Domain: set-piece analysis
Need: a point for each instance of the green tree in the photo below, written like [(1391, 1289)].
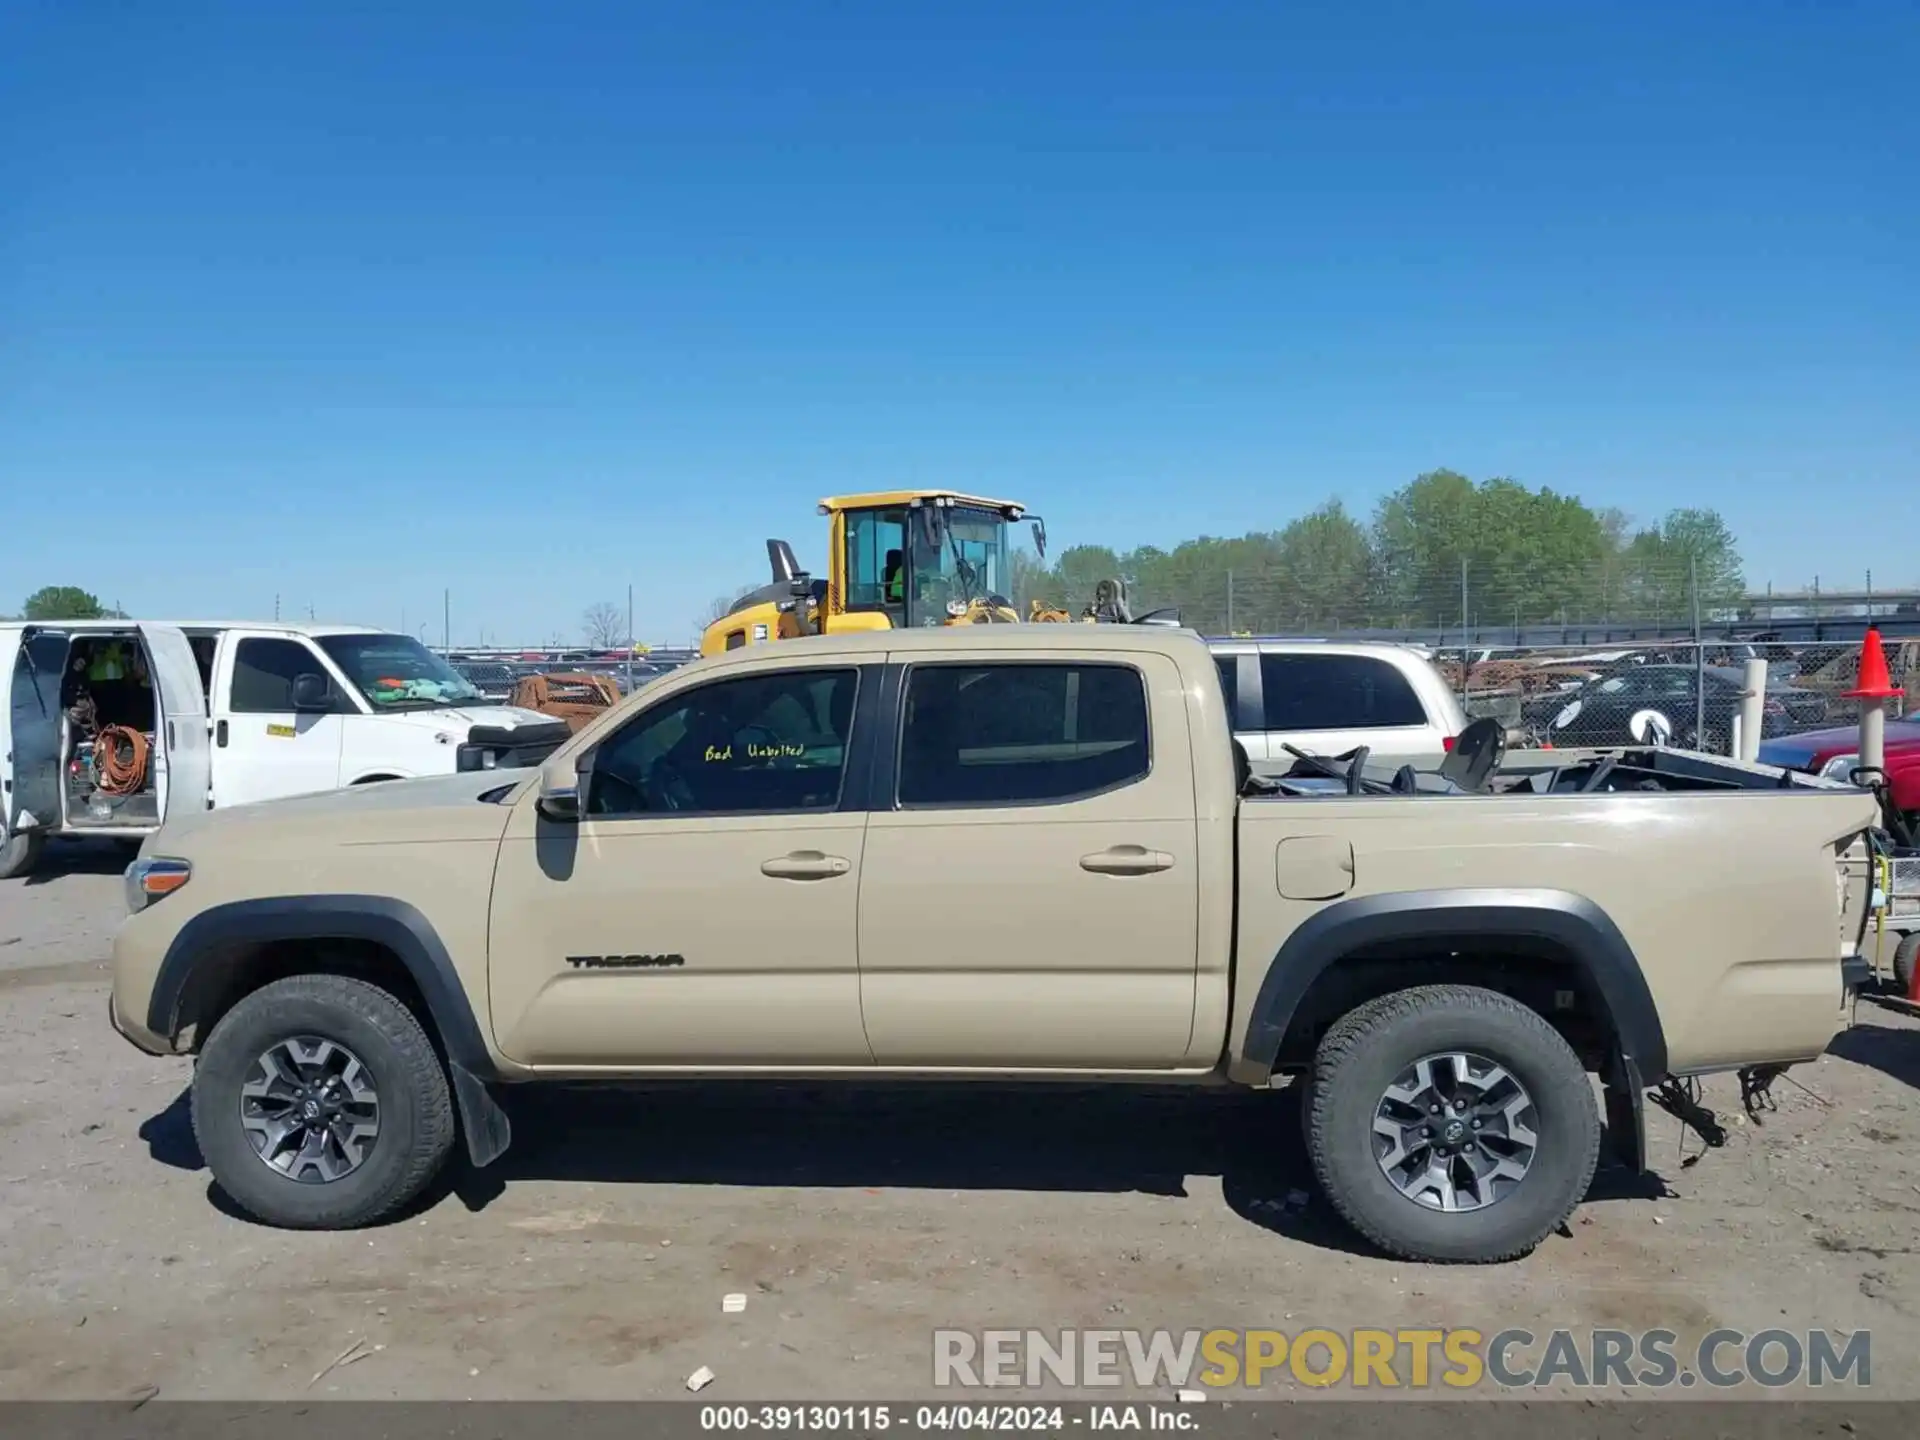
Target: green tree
[(1030, 579), (1079, 569), (62, 602), (1528, 555), (1523, 554), (1421, 533), (1661, 565), (1325, 564)]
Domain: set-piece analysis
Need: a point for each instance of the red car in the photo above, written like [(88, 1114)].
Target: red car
[(1836, 752)]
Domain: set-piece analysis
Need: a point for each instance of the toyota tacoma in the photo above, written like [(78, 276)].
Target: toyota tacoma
[(1004, 853)]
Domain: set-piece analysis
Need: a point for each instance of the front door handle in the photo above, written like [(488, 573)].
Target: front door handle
[(806, 865), (1126, 860)]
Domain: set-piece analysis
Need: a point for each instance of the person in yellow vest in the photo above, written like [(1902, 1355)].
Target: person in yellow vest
[(109, 663)]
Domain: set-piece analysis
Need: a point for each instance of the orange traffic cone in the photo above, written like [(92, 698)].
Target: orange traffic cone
[(1876, 680)]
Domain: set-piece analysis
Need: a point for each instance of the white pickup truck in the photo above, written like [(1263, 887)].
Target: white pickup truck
[(111, 726)]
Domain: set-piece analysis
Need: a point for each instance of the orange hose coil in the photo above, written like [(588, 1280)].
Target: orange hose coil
[(120, 760)]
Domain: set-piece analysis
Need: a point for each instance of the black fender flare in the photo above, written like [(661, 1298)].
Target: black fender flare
[(1572, 923), (392, 924)]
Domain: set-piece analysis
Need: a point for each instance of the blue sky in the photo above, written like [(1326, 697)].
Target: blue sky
[(349, 303)]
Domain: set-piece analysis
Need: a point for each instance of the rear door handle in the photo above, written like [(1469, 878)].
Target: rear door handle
[(806, 865), (1126, 860), (220, 734)]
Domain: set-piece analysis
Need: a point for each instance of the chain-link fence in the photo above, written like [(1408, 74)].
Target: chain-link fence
[(1638, 646), (1675, 693), (1507, 601)]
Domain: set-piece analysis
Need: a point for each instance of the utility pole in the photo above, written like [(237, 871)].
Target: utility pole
[(1699, 660), (446, 619), (1465, 634), (629, 638), (1230, 627)]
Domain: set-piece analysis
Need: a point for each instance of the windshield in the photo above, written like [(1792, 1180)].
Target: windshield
[(969, 563), (397, 672)]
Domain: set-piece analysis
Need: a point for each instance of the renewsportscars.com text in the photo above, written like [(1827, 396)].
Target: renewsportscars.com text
[(1413, 1359)]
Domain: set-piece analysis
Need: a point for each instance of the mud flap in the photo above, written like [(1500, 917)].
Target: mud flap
[(487, 1128), (1626, 1114)]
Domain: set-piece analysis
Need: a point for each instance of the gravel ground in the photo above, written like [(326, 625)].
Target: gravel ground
[(592, 1260)]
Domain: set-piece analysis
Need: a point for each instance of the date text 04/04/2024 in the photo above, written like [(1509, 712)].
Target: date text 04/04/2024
[(874, 1419)]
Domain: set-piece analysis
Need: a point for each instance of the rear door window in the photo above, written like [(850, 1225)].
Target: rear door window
[(1020, 734), (1336, 692)]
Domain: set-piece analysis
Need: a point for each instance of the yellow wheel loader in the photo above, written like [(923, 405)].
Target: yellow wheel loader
[(895, 559)]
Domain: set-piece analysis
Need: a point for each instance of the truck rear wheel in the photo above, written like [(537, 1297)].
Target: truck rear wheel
[(320, 1104), (1904, 961), (1451, 1123)]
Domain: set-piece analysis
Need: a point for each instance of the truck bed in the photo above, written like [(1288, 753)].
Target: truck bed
[(1539, 772), (1766, 896)]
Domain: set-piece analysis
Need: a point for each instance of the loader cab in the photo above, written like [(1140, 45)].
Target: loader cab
[(895, 559), (911, 559)]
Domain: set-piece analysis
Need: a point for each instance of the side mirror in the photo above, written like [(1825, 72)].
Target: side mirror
[(563, 789), (312, 694), (1040, 537)]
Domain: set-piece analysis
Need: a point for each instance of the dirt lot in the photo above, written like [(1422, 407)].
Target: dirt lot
[(591, 1262)]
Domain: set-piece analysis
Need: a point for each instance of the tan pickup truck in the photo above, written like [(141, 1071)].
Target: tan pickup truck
[(1000, 853)]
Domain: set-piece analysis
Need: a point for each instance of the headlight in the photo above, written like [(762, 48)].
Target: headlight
[(476, 757), (1840, 767), (149, 880)]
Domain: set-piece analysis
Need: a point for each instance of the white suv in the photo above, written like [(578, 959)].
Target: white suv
[(1327, 698)]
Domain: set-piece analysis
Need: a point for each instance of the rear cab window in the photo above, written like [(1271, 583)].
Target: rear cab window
[(1336, 692), (1018, 733)]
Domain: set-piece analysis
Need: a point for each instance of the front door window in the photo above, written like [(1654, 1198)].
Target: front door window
[(876, 561), (760, 744)]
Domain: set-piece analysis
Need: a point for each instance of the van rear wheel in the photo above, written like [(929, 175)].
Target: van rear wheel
[(19, 853), (1451, 1123)]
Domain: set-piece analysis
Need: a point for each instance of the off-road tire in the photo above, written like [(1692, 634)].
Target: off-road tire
[(417, 1125), (19, 853), (1362, 1054), (1904, 960)]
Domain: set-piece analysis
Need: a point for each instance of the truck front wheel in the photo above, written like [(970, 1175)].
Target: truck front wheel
[(1451, 1123), (319, 1104)]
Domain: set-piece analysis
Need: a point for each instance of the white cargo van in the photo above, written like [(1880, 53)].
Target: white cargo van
[(109, 726)]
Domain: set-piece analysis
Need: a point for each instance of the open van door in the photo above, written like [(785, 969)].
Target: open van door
[(32, 658), (182, 775)]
